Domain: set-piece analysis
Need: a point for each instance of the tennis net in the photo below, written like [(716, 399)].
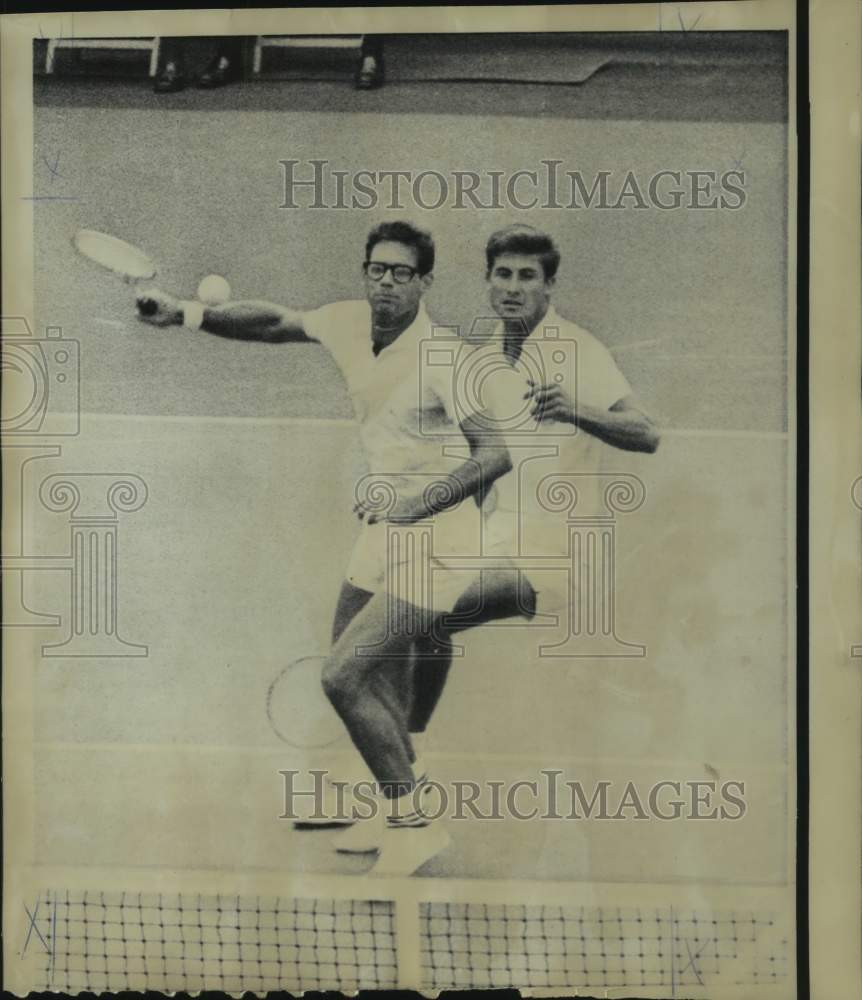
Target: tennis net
[(521, 946), (87, 940), (111, 941)]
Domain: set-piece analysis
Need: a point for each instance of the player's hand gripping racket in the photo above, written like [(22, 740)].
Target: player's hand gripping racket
[(119, 257)]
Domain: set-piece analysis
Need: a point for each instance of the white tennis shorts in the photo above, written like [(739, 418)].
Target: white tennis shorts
[(421, 563), (537, 546)]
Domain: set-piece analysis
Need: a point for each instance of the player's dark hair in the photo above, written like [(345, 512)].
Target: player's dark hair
[(410, 236), (523, 239)]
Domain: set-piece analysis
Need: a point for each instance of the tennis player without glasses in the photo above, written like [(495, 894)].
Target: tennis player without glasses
[(521, 271)]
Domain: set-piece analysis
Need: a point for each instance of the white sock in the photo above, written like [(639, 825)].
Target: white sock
[(410, 813), (420, 772)]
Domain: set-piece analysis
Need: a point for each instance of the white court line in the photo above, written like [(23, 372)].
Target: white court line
[(350, 422), (547, 760), (638, 344), (210, 419), (267, 881), (775, 358), (719, 433)]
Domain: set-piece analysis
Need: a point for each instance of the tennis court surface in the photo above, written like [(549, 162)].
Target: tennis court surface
[(231, 567)]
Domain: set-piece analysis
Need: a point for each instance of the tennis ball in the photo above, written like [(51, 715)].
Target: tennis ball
[(213, 290)]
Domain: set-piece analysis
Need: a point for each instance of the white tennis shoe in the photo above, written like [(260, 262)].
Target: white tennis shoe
[(365, 837), (405, 849)]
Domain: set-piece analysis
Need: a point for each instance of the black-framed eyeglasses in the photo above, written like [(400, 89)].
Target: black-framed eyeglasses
[(401, 273)]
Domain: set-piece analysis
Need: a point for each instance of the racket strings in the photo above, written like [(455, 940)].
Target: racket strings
[(114, 254)]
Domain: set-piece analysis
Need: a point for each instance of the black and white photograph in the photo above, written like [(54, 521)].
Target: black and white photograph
[(400, 460)]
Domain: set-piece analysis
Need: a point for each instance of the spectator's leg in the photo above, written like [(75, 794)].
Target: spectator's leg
[(371, 71), (171, 77), (225, 65)]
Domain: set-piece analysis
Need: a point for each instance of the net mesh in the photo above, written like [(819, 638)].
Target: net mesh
[(502, 946), (113, 941), (102, 941)]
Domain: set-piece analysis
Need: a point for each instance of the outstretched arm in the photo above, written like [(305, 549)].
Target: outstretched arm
[(238, 320)]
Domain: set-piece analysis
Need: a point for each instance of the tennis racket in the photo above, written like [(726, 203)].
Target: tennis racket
[(298, 711), (117, 256)]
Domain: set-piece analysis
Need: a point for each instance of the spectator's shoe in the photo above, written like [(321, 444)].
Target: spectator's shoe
[(170, 80), (220, 71), (370, 74)]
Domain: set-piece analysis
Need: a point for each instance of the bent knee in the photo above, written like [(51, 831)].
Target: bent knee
[(330, 678), (338, 680)]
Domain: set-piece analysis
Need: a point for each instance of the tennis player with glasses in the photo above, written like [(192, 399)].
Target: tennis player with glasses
[(378, 631)]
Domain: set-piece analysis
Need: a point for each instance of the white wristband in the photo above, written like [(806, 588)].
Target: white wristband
[(193, 314)]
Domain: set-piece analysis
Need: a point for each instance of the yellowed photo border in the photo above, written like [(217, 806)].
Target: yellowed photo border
[(835, 360), (835, 437)]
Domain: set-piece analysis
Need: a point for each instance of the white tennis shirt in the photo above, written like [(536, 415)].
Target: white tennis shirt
[(556, 351), (406, 415), (397, 407)]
